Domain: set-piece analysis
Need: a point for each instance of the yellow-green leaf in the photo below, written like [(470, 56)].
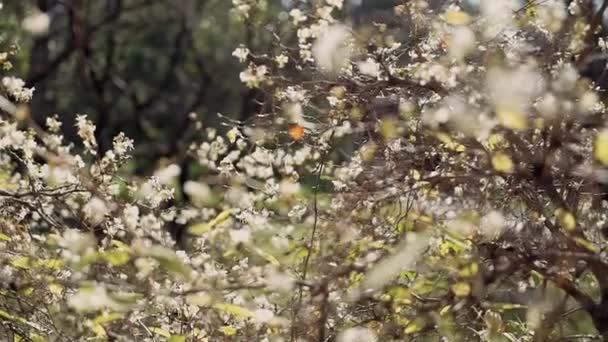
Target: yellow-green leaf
[(502, 163), (98, 329), (415, 326), (161, 332), (512, 119), (566, 219), (228, 330), (202, 228), (117, 258), (449, 143), (119, 245), (177, 338), (268, 257), (8, 316), (461, 289), (389, 128), (590, 246), (470, 270), (601, 147), (496, 141), (168, 260), (457, 18), (22, 262), (235, 310), (4, 237), (108, 317), (51, 264), (56, 289)]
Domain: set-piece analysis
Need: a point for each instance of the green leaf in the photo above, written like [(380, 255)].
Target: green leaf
[(117, 258), (502, 163), (202, 228), (268, 257), (457, 18), (168, 260), (4, 237), (590, 246), (51, 264), (8, 316), (120, 245), (108, 317), (566, 219), (461, 289), (177, 338), (235, 310), (228, 330), (600, 150), (415, 326), (512, 119), (22, 262), (161, 332)]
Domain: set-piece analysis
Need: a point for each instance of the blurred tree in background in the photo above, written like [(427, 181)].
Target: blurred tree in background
[(138, 66)]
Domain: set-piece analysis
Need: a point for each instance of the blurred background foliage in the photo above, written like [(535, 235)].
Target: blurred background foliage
[(142, 66)]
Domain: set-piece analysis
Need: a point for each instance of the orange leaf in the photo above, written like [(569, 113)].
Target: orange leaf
[(296, 132)]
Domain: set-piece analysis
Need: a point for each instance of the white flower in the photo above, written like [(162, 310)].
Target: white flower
[(122, 144), (492, 224), (198, 192), (263, 315), (369, 67), (297, 16), (551, 14), (357, 334), (241, 8), (574, 8), (278, 281), (92, 299), (241, 53), (240, 235), (253, 75), (335, 3), (131, 216), (462, 42), (16, 88), (95, 210), (325, 14), (53, 124), (76, 241), (37, 23), (281, 60), (331, 50), (86, 131), (168, 174)]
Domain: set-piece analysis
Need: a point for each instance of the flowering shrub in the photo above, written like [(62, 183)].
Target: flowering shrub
[(447, 185)]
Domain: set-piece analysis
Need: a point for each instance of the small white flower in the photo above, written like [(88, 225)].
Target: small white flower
[(357, 334), (86, 131), (37, 23), (53, 124), (281, 60), (369, 67), (253, 75), (331, 50), (241, 53), (297, 15), (335, 3), (95, 210), (240, 236), (263, 316)]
